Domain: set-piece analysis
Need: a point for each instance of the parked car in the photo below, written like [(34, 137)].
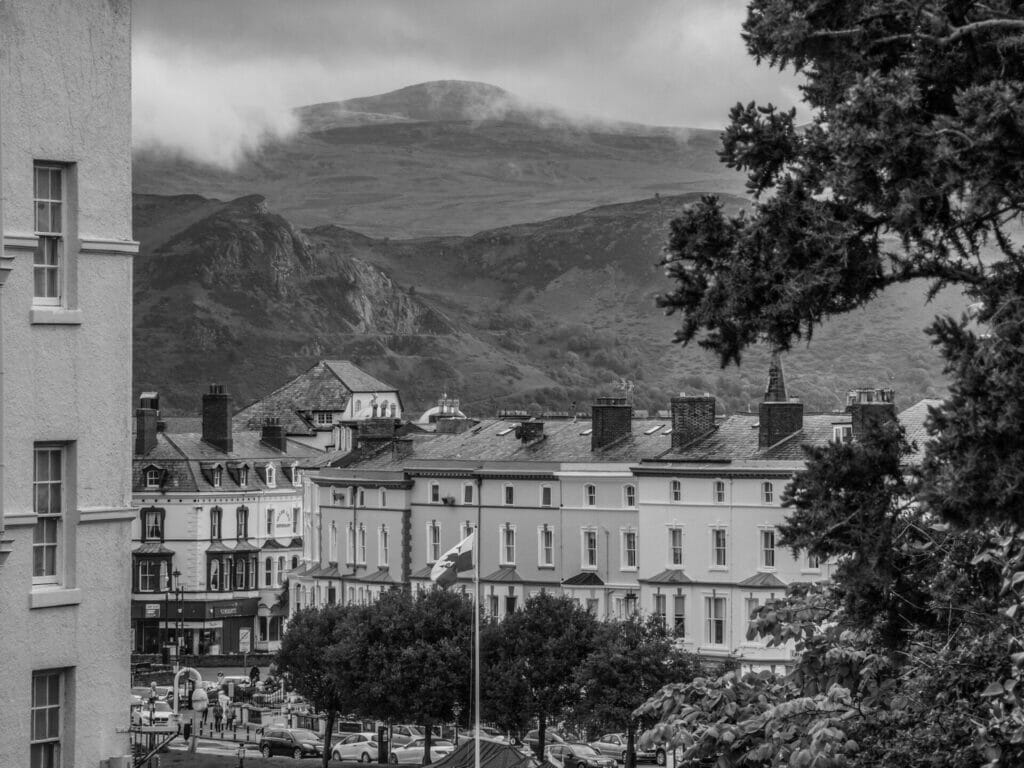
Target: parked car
[(158, 713), (356, 746), (486, 734), (403, 734), (413, 751), (297, 742), (614, 745), (551, 736), (576, 755)]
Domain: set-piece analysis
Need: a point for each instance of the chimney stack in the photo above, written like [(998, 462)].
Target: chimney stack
[(217, 418), (273, 434), (611, 419), (869, 408), (146, 417), (692, 417), (778, 415)]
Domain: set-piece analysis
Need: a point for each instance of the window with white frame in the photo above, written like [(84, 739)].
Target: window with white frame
[(628, 550), (332, 545), (679, 614), (719, 492), (48, 505), (46, 718), (590, 495), (350, 544), (842, 433), (435, 493), (465, 529), (509, 495), (323, 418), (383, 498), (629, 495), (296, 514), (384, 548), (589, 548), (271, 476), (767, 493), (153, 477), (508, 544), (813, 562), (270, 522), (659, 607), (280, 570), (767, 547), (675, 490), (49, 186), (714, 622), (752, 604), (361, 545), (545, 546), (243, 476), (545, 495), (268, 572), (296, 474), (433, 541), (152, 520), (242, 522), (719, 557), (149, 575), (467, 493), (218, 476), (675, 546), (216, 519)]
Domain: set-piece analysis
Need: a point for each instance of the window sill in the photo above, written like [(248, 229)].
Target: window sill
[(629, 569), (55, 316), (721, 568), (544, 567), (42, 597)]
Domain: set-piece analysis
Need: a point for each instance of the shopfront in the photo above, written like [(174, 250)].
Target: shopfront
[(199, 627)]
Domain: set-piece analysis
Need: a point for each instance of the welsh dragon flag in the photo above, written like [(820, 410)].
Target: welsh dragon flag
[(453, 562)]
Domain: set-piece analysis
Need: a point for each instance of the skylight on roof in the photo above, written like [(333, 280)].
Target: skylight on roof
[(652, 430), (586, 431), (668, 429), (505, 431)]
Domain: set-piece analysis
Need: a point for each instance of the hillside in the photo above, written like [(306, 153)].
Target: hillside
[(448, 158), (540, 314)]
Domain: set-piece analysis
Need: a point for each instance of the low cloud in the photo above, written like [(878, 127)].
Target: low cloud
[(212, 111)]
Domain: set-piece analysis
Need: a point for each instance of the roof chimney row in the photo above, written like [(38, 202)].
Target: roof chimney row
[(147, 415), (692, 417), (611, 419)]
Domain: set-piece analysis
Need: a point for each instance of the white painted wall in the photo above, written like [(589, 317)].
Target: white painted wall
[(65, 95)]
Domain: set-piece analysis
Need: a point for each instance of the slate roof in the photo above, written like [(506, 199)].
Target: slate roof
[(669, 576), (326, 572), (152, 548), (584, 579), (183, 457), (504, 574), (565, 441), (913, 419), (327, 386), (763, 579), (380, 576)]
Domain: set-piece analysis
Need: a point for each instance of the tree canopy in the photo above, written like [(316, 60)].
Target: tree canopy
[(910, 167)]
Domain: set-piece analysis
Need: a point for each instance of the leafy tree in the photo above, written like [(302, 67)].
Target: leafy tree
[(416, 649), (631, 661), (911, 167), (531, 659), (306, 645)]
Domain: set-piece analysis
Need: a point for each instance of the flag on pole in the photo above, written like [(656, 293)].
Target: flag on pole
[(453, 562)]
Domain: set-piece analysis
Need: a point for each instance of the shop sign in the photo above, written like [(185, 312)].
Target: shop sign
[(152, 611)]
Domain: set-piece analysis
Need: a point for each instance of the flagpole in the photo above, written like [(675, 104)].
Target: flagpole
[(476, 624)]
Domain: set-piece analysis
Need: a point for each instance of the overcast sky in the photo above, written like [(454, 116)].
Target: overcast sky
[(214, 76)]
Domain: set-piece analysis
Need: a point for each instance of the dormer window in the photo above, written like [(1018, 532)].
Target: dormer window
[(323, 418), (271, 476), (243, 476), (218, 476), (153, 477), (296, 477), (842, 433)]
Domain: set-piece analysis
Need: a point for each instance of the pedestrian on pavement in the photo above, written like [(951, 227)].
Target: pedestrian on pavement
[(231, 717), (218, 716), (186, 731)]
